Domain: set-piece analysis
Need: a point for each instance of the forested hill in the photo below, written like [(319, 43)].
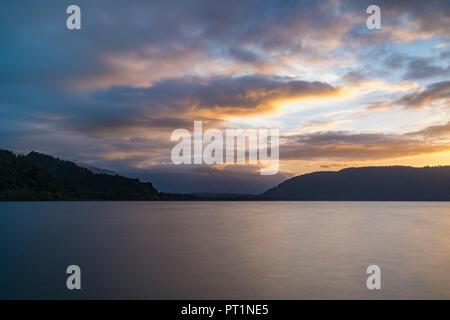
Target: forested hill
[(367, 184), (37, 176)]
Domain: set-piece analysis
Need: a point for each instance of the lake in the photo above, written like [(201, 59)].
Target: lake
[(225, 250)]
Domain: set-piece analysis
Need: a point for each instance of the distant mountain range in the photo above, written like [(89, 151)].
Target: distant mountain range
[(38, 176), (201, 179)]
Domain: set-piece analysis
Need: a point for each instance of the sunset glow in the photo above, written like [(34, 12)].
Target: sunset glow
[(341, 94)]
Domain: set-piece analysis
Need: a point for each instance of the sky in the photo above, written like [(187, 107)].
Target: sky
[(342, 95)]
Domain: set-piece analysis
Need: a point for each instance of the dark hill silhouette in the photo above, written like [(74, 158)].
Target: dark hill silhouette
[(23, 179), (367, 184), (37, 176)]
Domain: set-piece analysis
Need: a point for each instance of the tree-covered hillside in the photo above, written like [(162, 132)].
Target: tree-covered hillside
[(38, 176)]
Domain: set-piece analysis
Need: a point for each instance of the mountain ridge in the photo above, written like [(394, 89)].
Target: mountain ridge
[(37, 176), (391, 183)]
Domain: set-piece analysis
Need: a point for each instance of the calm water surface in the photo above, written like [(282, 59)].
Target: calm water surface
[(225, 250)]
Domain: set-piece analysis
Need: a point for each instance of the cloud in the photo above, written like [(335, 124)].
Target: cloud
[(314, 126), (353, 76), (426, 18), (421, 68), (189, 99), (436, 92), (417, 68), (442, 45), (433, 131), (138, 70), (356, 146), (146, 41), (379, 106), (395, 60), (445, 55), (135, 123)]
